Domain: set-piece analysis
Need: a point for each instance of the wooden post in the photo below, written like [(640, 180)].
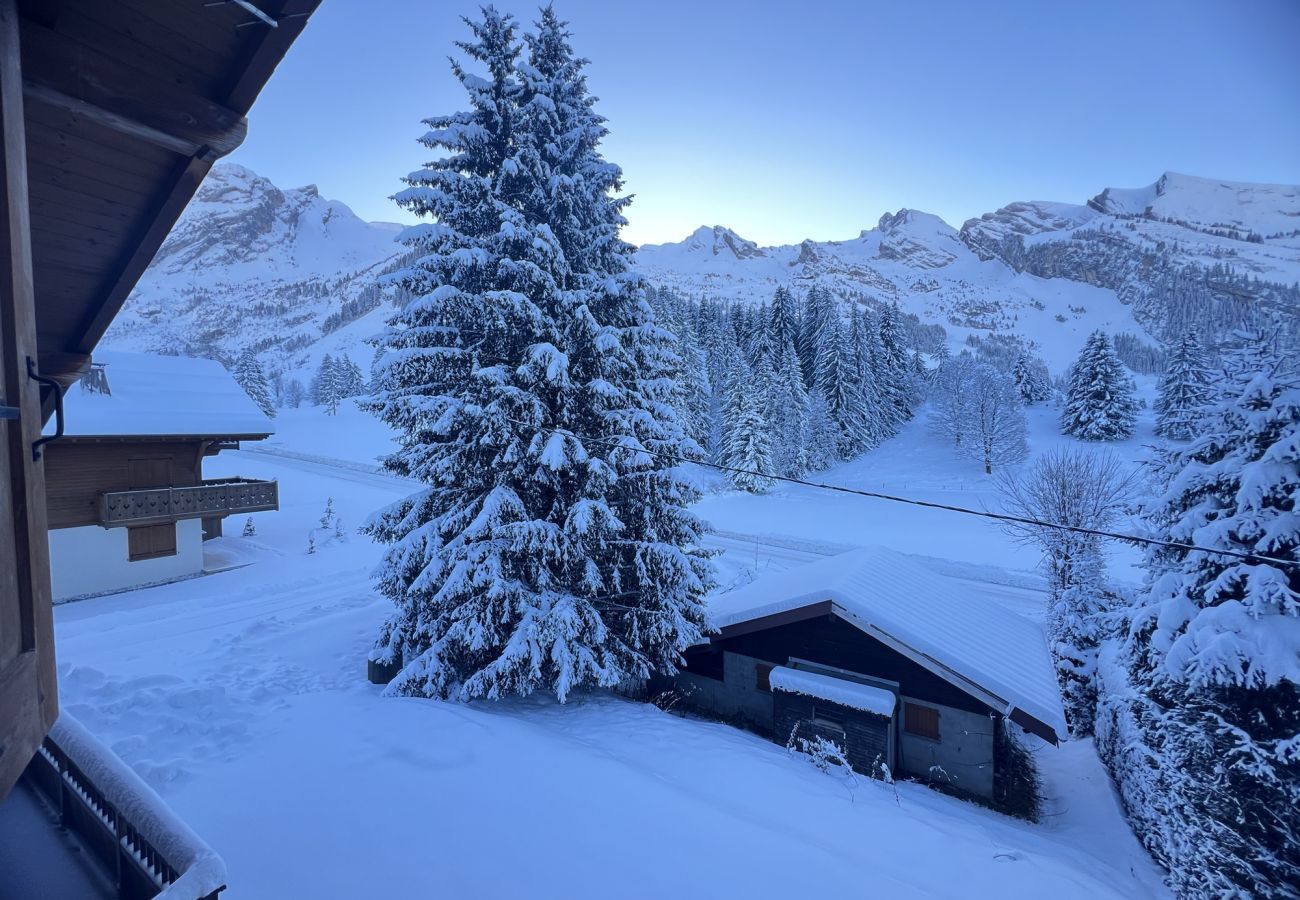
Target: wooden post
[(28, 699)]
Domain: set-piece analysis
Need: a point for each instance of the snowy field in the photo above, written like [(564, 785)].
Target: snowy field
[(241, 697)]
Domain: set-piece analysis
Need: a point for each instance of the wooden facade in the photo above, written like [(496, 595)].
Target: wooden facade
[(111, 114), (77, 472)]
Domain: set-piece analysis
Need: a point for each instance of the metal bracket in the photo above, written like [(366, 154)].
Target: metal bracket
[(8, 412), (58, 408)]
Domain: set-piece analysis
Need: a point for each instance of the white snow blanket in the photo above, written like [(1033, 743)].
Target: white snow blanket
[(162, 395), (835, 690), (938, 618)]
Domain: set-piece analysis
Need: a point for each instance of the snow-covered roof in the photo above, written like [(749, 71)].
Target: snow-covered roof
[(837, 690), (988, 651), (162, 395)]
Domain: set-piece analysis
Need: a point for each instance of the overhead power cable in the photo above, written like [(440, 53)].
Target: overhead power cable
[(1132, 539)]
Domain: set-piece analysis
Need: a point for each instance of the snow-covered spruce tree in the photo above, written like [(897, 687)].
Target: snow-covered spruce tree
[(1200, 719), (993, 420), (788, 405), (747, 445), (784, 319), (893, 372), (249, 374), (326, 385), (1075, 626), (1032, 379), (534, 559), (1099, 402), (1184, 389)]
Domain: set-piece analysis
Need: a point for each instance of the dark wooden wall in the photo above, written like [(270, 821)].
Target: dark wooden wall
[(76, 472), (833, 642)]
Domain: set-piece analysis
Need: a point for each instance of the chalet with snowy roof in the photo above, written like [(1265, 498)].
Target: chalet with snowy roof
[(899, 665), (128, 503)]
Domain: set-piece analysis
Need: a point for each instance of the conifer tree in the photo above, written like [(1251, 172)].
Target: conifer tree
[(748, 446), (1032, 379), (1099, 402), (1200, 726), (1184, 390), (535, 559), (784, 319), (249, 374), (893, 374)]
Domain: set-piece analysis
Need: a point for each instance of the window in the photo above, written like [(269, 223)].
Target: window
[(764, 680), (827, 719), (705, 663), (151, 541), (922, 721)]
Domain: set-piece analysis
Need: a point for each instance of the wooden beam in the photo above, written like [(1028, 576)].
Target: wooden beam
[(176, 193), (28, 695), (68, 75)]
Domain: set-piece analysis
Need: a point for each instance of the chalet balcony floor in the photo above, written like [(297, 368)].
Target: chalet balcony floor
[(41, 861)]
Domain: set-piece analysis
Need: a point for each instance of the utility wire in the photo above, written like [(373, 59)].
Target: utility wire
[(928, 504)]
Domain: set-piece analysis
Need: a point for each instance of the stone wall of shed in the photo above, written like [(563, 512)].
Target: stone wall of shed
[(735, 699), (962, 760)]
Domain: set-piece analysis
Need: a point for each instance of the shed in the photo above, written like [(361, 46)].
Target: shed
[(839, 633)]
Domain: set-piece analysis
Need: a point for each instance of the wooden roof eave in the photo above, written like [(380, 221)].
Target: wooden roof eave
[(65, 74)]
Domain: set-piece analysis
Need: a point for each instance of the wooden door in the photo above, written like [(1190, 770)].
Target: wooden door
[(28, 700), (149, 473)]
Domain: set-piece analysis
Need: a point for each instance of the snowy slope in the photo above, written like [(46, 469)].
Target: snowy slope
[(240, 697)]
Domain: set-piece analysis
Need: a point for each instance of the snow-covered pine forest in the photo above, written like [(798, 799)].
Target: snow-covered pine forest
[(552, 424)]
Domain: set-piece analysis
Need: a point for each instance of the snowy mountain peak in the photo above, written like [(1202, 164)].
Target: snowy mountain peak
[(1208, 204), (918, 239), (718, 240)]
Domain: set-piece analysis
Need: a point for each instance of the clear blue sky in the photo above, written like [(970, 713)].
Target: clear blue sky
[(790, 120)]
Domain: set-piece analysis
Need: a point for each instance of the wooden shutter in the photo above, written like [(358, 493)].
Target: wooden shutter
[(922, 721), (151, 541), (28, 699)]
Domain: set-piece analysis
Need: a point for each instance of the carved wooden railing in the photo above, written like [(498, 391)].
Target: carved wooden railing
[(138, 841), (209, 499)]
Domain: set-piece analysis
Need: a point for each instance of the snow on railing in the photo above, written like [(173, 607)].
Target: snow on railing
[(122, 820)]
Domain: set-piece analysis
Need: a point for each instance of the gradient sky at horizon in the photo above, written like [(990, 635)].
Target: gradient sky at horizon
[(788, 121)]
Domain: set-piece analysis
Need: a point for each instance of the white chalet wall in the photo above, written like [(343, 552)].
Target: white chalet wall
[(93, 560)]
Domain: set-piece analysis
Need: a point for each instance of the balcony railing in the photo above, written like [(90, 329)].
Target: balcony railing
[(209, 499), (134, 838)]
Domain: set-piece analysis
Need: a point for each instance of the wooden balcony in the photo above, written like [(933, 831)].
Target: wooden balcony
[(207, 500)]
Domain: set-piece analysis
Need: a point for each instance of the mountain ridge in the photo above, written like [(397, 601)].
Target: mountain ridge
[(293, 275)]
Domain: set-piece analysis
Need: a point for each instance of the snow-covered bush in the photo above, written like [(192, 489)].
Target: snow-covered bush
[(250, 530)]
